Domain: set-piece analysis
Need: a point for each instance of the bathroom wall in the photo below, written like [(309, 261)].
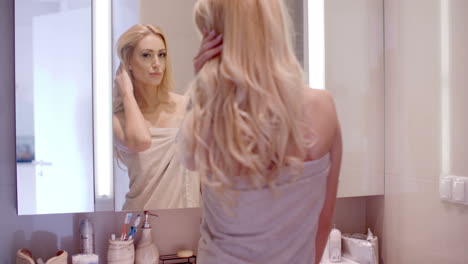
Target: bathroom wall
[(46, 234), (354, 74), (426, 59)]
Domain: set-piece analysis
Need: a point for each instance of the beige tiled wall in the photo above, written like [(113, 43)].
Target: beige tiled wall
[(414, 225)]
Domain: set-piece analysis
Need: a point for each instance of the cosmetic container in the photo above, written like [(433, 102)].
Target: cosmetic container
[(86, 237)]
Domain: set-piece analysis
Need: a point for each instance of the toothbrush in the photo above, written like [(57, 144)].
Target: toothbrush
[(134, 227), (127, 219)]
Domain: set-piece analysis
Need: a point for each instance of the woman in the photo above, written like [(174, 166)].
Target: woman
[(146, 119), (268, 148)]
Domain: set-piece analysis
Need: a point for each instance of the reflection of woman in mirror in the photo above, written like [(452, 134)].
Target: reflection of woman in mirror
[(146, 119), (267, 147)]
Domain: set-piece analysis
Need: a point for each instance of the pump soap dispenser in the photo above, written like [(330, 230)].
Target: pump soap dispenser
[(146, 251)]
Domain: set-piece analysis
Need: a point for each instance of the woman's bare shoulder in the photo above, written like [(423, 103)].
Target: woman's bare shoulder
[(319, 100), (321, 121)]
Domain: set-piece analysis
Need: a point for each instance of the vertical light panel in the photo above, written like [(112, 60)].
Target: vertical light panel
[(102, 103), (445, 85), (316, 43)]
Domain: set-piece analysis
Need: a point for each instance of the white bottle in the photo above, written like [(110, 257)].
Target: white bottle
[(146, 251), (335, 245), (86, 237)]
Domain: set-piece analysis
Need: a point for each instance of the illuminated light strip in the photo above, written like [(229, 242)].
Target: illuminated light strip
[(102, 98), (445, 85), (316, 43)]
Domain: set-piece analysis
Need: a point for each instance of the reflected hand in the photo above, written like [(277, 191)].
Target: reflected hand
[(123, 81), (211, 46)]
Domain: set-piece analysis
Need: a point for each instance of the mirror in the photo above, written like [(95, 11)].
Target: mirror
[(157, 41), (54, 98), (54, 132)]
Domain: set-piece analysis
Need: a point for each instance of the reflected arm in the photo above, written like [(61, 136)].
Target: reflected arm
[(131, 134)]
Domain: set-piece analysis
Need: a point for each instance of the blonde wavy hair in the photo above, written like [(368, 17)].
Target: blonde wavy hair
[(125, 48), (245, 117)]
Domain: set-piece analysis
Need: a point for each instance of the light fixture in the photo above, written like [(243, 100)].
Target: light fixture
[(445, 86), (314, 27), (102, 99)]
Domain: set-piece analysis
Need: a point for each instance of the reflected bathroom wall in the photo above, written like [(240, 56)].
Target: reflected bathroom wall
[(175, 17), (54, 106)]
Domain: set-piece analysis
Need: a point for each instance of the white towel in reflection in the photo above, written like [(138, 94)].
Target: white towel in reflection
[(158, 180)]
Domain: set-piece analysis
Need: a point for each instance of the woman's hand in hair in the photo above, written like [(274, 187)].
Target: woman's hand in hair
[(123, 82), (211, 46)]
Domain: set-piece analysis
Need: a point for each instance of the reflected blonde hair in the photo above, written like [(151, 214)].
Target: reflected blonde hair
[(245, 118), (125, 48)]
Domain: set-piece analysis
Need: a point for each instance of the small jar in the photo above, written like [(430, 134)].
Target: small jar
[(121, 252)]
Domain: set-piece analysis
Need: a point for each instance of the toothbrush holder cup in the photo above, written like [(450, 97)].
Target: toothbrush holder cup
[(121, 252)]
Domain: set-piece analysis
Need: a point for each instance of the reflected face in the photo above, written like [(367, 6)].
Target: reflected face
[(148, 62)]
